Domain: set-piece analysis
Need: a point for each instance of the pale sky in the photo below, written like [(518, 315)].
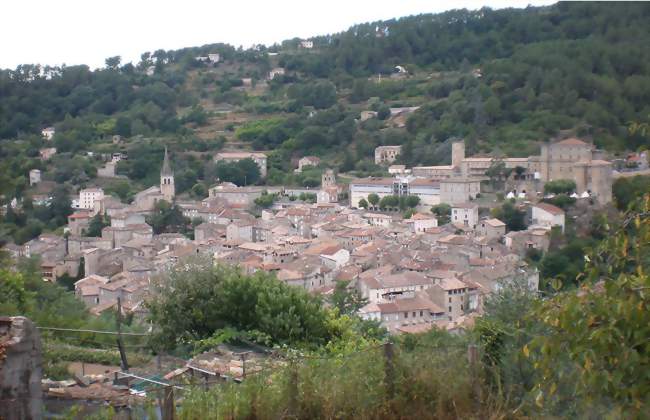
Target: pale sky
[(87, 31)]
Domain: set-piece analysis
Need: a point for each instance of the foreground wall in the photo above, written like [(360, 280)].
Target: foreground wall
[(20, 369)]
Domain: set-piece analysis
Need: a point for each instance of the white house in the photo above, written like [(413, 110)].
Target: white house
[(307, 44), (34, 176), (465, 214), (214, 57), (545, 214), (335, 260), (327, 195), (420, 222), (88, 196), (378, 219), (278, 71), (48, 133)]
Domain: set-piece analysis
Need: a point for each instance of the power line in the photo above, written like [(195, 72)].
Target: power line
[(93, 331)]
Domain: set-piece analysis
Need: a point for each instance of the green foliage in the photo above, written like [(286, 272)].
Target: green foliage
[(196, 300), (595, 355), (307, 197), (509, 214), (243, 172), (442, 212), (56, 352), (627, 190), (373, 199), (363, 203), (168, 218), (197, 115), (266, 200), (97, 223), (562, 201), (320, 95), (121, 189), (356, 384), (264, 133), (14, 298), (560, 186), (565, 263), (347, 300)]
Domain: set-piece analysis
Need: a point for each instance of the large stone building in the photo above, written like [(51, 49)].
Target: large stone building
[(426, 189), (579, 161), (258, 157), (457, 190), (387, 154), (571, 159)]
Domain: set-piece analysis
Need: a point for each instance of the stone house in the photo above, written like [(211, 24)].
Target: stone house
[(491, 228), (416, 309)]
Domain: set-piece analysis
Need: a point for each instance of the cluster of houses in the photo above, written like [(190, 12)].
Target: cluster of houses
[(414, 272)]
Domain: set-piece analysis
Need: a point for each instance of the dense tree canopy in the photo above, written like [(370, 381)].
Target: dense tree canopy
[(195, 301)]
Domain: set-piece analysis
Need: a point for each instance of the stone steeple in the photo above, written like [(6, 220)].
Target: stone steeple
[(166, 167), (167, 179)]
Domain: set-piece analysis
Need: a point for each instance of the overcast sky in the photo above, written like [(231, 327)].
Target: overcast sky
[(87, 31)]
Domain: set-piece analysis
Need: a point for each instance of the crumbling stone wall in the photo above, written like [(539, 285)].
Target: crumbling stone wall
[(20, 369)]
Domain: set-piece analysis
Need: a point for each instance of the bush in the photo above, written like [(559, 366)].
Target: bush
[(560, 186)]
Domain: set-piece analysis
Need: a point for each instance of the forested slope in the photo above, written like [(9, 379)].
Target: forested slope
[(505, 80)]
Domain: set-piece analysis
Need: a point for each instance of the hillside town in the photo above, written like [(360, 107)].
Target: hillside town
[(437, 212), (415, 272)]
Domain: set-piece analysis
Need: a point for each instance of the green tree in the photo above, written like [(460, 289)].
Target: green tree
[(412, 201), (594, 355), (60, 206), (373, 199), (168, 218), (197, 300), (243, 172), (509, 214), (97, 223), (442, 212), (266, 200), (14, 298), (560, 186), (363, 203), (346, 299), (113, 63)]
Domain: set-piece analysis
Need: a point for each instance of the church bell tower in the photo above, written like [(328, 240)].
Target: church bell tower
[(167, 180)]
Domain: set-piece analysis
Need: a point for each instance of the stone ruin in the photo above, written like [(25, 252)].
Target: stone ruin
[(20, 369)]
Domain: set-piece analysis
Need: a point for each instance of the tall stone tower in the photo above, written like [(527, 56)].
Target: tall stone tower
[(457, 153), (167, 180), (328, 179)]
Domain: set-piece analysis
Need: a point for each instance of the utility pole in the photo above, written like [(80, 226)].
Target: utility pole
[(243, 356), (168, 409), (120, 343)]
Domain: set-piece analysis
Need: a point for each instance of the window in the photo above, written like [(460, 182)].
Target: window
[(449, 300), (413, 314), (450, 309), (461, 306), (406, 314), (421, 313)]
